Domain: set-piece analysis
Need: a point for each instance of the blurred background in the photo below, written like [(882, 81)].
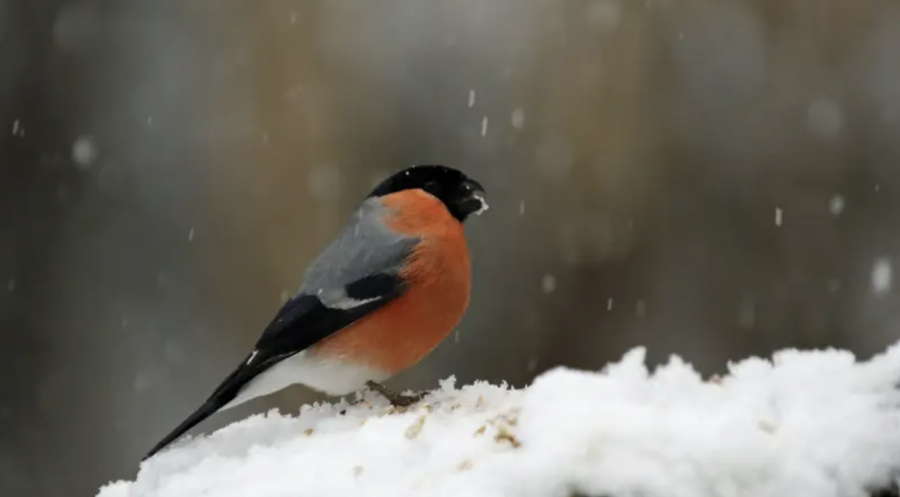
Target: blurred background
[(709, 179)]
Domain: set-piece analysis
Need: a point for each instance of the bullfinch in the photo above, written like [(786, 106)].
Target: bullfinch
[(375, 302)]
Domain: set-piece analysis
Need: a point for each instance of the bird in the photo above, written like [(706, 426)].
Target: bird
[(379, 298)]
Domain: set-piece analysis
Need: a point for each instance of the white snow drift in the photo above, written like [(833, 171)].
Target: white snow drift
[(816, 424)]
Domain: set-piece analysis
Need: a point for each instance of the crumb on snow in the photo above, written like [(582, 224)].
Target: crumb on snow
[(805, 423)]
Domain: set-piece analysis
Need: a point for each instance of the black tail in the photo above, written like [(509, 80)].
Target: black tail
[(224, 393)]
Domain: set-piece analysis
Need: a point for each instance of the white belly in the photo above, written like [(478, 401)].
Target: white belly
[(329, 376)]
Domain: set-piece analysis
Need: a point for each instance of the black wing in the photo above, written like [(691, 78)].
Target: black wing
[(300, 323)]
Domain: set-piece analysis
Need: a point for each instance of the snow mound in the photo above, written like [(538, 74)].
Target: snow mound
[(806, 423)]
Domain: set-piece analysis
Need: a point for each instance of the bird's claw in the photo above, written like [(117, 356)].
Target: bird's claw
[(398, 400)]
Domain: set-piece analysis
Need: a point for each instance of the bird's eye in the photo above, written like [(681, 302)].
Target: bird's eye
[(431, 187)]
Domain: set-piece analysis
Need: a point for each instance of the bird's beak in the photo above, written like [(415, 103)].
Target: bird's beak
[(476, 195), (479, 196)]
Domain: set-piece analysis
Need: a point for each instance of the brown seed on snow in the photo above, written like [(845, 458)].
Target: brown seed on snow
[(504, 435), (766, 426), (415, 428)]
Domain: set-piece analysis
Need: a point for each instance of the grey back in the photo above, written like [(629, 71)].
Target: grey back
[(366, 247)]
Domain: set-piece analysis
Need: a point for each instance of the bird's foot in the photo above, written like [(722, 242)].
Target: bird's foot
[(398, 400)]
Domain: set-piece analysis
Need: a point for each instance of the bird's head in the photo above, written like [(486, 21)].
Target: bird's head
[(462, 195)]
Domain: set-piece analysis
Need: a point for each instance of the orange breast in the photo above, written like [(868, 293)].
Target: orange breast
[(404, 331)]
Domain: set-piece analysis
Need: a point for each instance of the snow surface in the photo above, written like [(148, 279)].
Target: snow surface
[(806, 423)]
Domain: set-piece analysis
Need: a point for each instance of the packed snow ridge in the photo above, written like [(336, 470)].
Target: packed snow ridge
[(806, 423)]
